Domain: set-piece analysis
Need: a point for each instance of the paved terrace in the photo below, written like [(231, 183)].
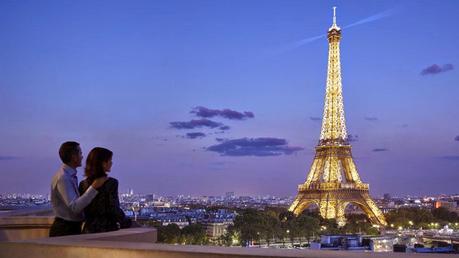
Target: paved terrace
[(134, 243), (24, 234)]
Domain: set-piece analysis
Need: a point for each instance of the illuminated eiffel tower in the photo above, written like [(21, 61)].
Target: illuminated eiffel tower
[(333, 181)]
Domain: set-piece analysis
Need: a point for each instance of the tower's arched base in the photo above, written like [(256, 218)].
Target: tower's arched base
[(332, 204)]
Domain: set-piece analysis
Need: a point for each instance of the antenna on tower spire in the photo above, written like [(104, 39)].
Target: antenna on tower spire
[(334, 26), (334, 14)]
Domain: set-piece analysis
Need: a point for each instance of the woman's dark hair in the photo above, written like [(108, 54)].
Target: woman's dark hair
[(94, 168), (66, 151)]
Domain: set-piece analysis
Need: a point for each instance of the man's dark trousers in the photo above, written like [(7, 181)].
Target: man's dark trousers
[(63, 227)]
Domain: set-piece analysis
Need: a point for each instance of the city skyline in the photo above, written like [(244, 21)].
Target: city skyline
[(194, 101)]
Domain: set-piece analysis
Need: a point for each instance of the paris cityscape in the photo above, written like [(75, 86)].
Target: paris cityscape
[(358, 154), (217, 214)]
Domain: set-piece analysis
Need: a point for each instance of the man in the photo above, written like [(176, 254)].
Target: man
[(67, 203)]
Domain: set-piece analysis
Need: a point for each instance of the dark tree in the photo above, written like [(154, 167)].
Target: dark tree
[(169, 234)]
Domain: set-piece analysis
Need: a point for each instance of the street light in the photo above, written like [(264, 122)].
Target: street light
[(258, 239)]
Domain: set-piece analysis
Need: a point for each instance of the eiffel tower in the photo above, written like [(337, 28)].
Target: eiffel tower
[(333, 181)]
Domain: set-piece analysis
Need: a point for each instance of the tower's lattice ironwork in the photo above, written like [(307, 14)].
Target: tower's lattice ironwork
[(333, 181)]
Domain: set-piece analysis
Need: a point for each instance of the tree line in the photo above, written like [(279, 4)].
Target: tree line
[(412, 217), (278, 225)]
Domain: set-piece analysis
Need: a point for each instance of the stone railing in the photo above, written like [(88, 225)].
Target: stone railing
[(132, 243), (25, 224), (138, 243)]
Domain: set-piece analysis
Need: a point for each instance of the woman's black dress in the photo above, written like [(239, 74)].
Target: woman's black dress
[(104, 213)]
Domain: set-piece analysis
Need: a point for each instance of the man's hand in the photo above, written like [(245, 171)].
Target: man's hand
[(99, 182)]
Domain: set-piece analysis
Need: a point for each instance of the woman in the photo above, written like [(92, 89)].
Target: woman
[(104, 212)]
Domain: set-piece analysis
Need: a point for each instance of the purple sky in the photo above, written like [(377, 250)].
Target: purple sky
[(205, 97)]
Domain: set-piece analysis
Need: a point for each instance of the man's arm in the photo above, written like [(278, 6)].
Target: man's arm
[(70, 195)]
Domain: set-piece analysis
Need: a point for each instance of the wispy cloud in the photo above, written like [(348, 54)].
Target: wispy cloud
[(261, 147), (380, 149), (371, 118), (436, 69), (196, 123), (224, 128), (315, 118), (456, 138), (225, 113), (352, 138), (195, 135)]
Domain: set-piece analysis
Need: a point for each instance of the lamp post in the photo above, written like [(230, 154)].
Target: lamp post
[(288, 235)]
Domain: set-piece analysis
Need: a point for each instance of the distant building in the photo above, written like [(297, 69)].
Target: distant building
[(214, 230), (387, 197), (181, 222), (149, 197), (230, 195), (450, 205)]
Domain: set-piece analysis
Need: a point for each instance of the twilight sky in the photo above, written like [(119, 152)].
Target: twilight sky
[(204, 97)]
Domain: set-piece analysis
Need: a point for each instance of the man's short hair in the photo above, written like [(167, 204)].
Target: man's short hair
[(66, 151)]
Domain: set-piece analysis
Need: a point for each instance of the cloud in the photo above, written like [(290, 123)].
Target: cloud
[(315, 118), (198, 123), (352, 138), (456, 138), (160, 138), (224, 128), (380, 149), (8, 158), (225, 113), (371, 118), (195, 135), (436, 69), (260, 147), (450, 157)]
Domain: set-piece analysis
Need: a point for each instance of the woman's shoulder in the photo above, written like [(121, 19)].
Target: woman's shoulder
[(111, 182)]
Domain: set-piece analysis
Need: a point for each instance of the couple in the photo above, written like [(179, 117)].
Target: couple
[(95, 201)]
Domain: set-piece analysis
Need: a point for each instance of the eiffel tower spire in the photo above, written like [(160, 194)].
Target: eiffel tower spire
[(333, 123), (333, 181)]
